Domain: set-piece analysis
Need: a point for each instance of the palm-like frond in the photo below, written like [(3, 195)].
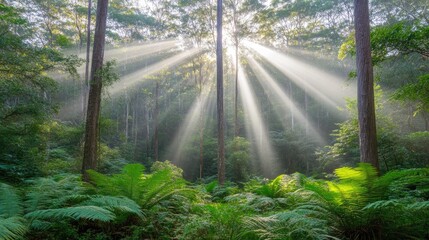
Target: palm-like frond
[(121, 204), (50, 192), (160, 186), (12, 228), (305, 222), (10, 202), (80, 212), (403, 183), (147, 190), (128, 183), (418, 206)]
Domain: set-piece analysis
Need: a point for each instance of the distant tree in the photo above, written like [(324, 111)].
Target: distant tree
[(220, 114), (94, 99), (366, 108)]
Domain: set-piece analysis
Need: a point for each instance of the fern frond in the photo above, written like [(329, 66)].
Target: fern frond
[(419, 206), (10, 202), (160, 186), (40, 225), (122, 204), (384, 204), (12, 228), (93, 213), (105, 184), (48, 192)]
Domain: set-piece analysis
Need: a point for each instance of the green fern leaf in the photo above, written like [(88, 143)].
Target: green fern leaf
[(122, 204), (384, 204), (10, 202), (81, 212), (12, 228), (419, 206)]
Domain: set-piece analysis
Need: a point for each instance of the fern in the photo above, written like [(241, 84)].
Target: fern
[(301, 223), (93, 213), (12, 228), (418, 206), (147, 190), (121, 204), (50, 192), (10, 202), (384, 205)]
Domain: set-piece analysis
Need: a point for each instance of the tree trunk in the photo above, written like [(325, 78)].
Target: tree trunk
[(236, 128), (127, 114), (88, 50), (155, 121), (220, 117), (147, 134), (94, 99), (366, 108)]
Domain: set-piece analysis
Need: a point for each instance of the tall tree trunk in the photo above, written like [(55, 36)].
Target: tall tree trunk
[(88, 50), (366, 108), (94, 99), (292, 117), (236, 128), (147, 134), (127, 114), (155, 121), (220, 117)]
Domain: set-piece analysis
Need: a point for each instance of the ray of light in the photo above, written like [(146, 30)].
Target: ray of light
[(324, 86), (189, 127), (256, 128), (129, 80), (126, 54), (272, 87)]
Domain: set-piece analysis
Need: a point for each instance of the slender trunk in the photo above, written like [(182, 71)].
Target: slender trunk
[(147, 134), (366, 108), (236, 128), (88, 50), (127, 113), (292, 117), (306, 112), (220, 117), (200, 99), (136, 129), (201, 139), (155, 121), (94, 99)]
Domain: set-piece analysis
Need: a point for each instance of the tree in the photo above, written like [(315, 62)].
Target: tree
[(94, 98), (85, 86), (366, 108), (220, 115)]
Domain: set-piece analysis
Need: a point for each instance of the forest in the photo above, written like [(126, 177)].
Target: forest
[(214, 119)]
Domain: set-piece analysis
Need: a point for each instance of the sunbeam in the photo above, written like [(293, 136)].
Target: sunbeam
[(321, 85), (125, 54), (256, 129), (188, 128), (270, 86), (129, 80)]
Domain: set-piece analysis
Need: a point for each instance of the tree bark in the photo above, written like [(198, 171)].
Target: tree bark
[(94, 99), (366, 108), (155, 121), (88, 50), (220, 114)]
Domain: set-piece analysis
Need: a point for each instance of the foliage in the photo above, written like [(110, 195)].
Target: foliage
[(159, 166), (147, 190), (25, 91), (391, 40), (215, 221), (417, 92), (238, 161)]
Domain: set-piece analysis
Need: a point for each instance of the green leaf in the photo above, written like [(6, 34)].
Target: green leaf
[(82, 212)]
